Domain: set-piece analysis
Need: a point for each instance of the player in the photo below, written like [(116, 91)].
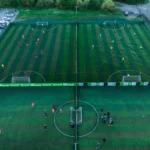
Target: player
[(110, 122), (122, 58), (54, 107), (53, 110), (45, 126), (43, 31), (60, 110), (46, 115), (2, 66), (30, 35), (72, 126), (104, 140), (42, 52), (33, 105), (108, 114), (98, 145), (27, 45), (23, 36), (92, 46), (35, 55), (25, 74)]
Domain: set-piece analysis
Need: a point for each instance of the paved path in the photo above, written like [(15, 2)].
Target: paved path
[(135, 9)]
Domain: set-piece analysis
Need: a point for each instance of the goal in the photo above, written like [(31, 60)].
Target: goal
[(43, 23), (73, 115), (20, 80), (131, 78), (110, 23)]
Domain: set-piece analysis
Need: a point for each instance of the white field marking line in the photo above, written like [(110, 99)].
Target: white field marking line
[(22, 72), (126, 70)]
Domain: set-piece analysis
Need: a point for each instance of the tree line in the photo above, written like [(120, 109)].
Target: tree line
[(60, 4)]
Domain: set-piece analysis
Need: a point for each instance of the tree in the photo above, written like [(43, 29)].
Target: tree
[(66, 4), (95, 4), (108, 5), (83, 3)]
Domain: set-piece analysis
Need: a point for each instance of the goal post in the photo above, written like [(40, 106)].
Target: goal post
[(131, 78), (42, 23), (20, 80), (73, 115), (110, 23)]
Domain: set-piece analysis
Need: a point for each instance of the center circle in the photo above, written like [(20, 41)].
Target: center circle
[(90, 119)]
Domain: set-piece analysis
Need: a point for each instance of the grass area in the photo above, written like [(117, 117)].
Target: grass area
[(125, 52), (23, 126), (26, 14), (127, 107)]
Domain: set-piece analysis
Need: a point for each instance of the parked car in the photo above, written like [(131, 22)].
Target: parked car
[(9, 15), (2, 21), (6, 18), (2, 26)]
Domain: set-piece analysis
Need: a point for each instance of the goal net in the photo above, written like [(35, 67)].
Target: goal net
[(73, 115), (110, 23), (131, 78), (44, 23), (20, 80)]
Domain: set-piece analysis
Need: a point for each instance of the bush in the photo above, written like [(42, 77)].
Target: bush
[(108, 5)]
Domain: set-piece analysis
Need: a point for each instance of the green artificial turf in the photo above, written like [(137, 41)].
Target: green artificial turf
[(109, 60), (23, 126), (127, 106)]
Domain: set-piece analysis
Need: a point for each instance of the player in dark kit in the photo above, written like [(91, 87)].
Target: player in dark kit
[(45, 126), (104, 140), (73, 126)]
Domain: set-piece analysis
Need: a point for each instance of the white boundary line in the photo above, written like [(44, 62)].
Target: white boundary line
[(125, 71), (44, 29), (22, 72), (97, 115)]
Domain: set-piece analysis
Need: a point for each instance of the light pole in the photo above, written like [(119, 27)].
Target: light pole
[(76, 9)]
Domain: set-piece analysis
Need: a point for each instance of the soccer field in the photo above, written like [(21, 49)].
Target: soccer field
[(106, 51), (23, 126)]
